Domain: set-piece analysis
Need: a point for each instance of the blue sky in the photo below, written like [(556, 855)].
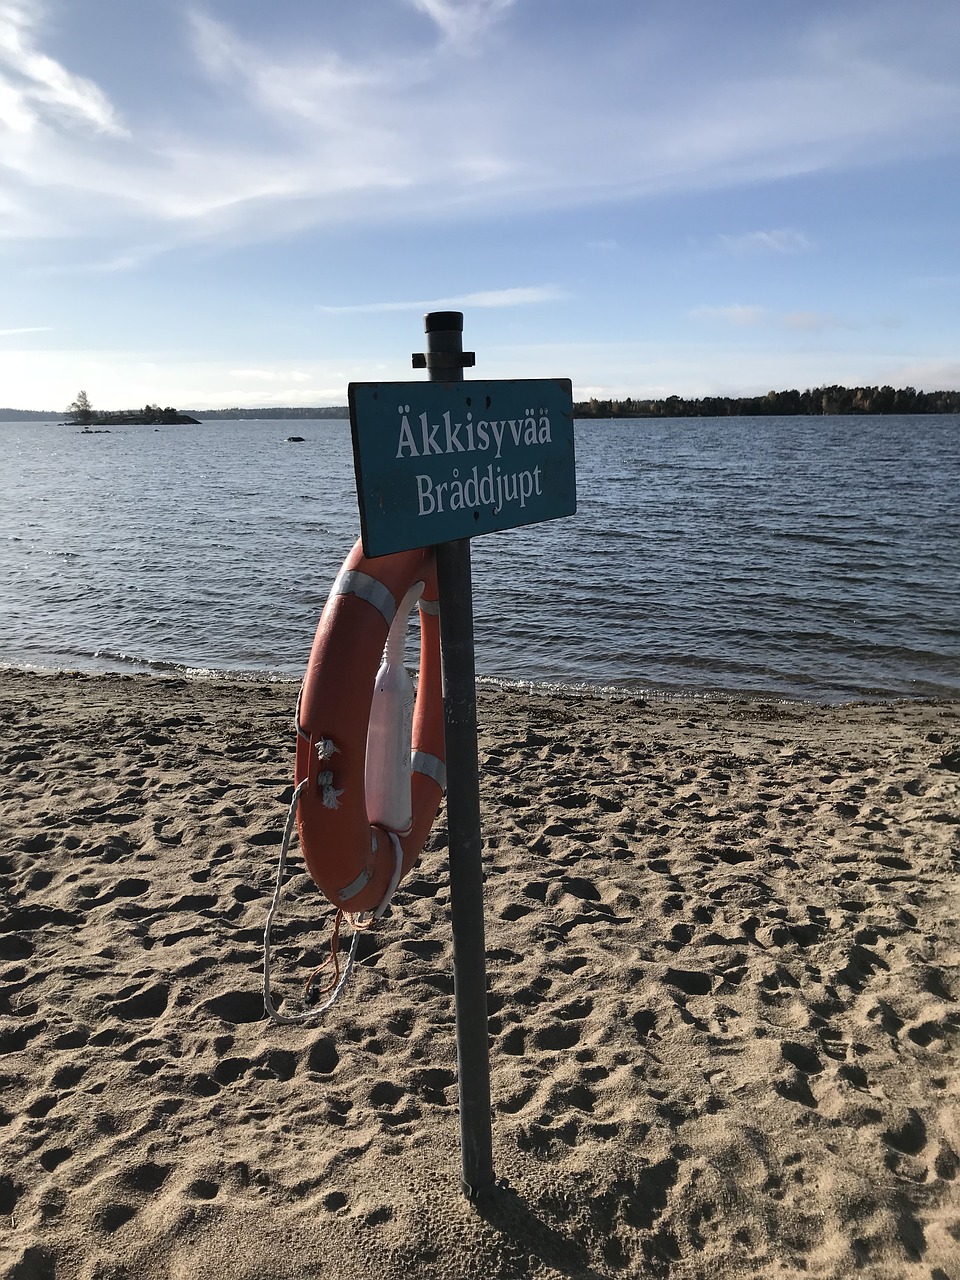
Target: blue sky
[(235, 202)]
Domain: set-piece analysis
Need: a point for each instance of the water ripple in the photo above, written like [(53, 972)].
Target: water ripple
[(791, 557)]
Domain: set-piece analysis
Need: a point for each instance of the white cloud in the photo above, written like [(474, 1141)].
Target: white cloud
[(780, 240), (317, 85), (270, 140), (929, 375), (33, 328), (463, 21), (516, 297), (813, 321), (35, 88)]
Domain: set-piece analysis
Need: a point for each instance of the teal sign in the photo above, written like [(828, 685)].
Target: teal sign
[(437, 461)]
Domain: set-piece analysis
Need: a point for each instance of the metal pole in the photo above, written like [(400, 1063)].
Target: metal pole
[(444, 361)]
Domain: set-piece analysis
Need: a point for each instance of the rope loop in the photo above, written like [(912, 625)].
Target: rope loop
[(360, 922)]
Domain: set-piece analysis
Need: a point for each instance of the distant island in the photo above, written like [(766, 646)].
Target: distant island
[(812, 402), (82, 414), (150, 416)]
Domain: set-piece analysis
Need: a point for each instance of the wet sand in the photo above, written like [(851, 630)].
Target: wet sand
[(723, 944)]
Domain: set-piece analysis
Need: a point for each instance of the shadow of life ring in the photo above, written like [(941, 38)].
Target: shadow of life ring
[(356, 861)]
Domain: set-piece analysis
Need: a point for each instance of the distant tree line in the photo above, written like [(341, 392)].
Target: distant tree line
[(26, 415), (151, 415), (840, 400), (325, 411), (815, 401)]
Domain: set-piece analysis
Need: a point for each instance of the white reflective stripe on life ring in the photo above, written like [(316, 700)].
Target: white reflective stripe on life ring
[(431, 766), (351, 582)]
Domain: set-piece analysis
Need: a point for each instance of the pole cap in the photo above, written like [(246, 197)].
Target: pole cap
[(436, 321)]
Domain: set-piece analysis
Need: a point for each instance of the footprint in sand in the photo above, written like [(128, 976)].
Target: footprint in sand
[(110, 1217), (147, 1002), (323, 1057), (908, 1134), (236, 1006)]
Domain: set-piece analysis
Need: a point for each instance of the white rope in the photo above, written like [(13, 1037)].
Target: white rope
[(272, 1012), (311, 1015)]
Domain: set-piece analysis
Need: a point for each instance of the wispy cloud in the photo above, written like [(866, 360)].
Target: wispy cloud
[(35, 87), (929, 374), (812, 321), (277, 136), (516, 297), (33, 328), (780, 240), (316, 84), (463, 21)]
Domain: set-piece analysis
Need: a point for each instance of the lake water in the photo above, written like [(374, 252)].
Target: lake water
[(813, 558)]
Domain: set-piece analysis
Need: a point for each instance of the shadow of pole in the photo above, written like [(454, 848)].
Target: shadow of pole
[(507, 1212)]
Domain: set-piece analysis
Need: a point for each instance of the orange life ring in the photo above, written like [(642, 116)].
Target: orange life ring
[(353, 862)]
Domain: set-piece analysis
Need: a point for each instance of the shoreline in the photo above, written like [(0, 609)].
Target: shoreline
[(723, 941), (507, 685)]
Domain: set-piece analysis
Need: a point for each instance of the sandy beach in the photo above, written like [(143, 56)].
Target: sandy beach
[(723, 942)]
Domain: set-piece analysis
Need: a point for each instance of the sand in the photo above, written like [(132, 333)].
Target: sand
[(723, 951)]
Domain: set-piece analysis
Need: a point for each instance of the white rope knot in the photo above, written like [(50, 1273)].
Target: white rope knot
[(330, 794)]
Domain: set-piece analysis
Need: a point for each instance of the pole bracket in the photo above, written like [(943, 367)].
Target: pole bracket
[(451, 360)]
